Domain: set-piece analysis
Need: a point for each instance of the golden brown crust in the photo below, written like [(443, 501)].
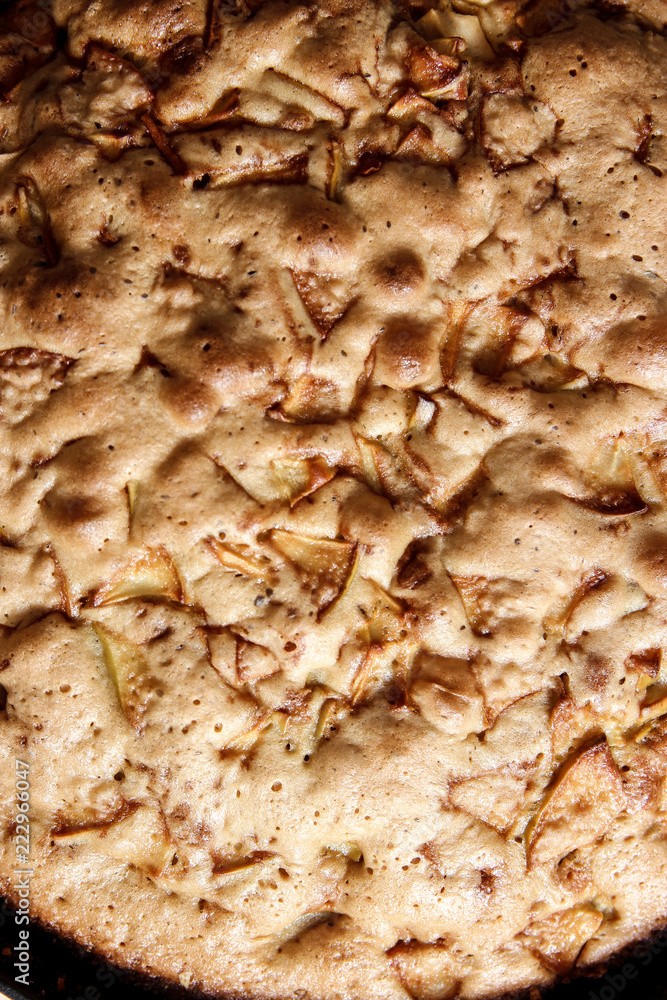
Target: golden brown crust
[(332, 543)]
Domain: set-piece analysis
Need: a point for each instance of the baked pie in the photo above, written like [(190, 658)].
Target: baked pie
[(333, 389)]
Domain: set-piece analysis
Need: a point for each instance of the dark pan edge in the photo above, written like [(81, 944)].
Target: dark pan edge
[(583, 977)]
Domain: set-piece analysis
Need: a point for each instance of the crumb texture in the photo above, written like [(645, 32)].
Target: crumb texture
[(333, 492)]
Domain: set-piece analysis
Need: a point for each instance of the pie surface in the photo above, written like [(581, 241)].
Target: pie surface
[(333, 539)]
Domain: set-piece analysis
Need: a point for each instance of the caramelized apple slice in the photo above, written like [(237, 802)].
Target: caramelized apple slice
[(386, 665), (232, 558), (226, 866), (470, 589), (35, 223), (245, 742), (428, 971), (379, 469), (112, 146), (579, 807), (646, 665), (315, 555), (158, 137), (324, 297), (384, 613), (136, 835), (331, 709), (612, 599), (129, 673), (311, 399), (571, 725), (615, 492), (254, 662), (306, 715), (150, 574), (299, 477), (496, 798), (347, 849), (436, 76), (293, 93), (560, 613), (132, 491), (442, 25), (370, 453), (558, 940), (329, 563), (335, 169)]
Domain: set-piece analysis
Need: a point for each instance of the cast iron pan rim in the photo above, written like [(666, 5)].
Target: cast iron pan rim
[(592, 974)]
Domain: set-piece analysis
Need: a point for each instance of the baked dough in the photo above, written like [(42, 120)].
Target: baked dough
[(333, 378)]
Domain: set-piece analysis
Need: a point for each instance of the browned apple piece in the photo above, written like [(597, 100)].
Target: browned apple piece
[(560, 613), (496, 798), (324, 297), (580, 806), (67, 605), (386, 665), (571, 725), (129, 673), (614, 491), (435, 76), (329, 563), (443, 25), (609, 601), (136, 835), (428, 971), (293, 93), (224, 108), (654, 704), (132, 491), (347, 849), (245, 742), (335, 169), (263, 167), (458, 311), (257, 482), (384, 614), (646, 665), (549, 372), (645, 471), (102, 60), (378, 469), (331, 709), (309, 400), (299, 477), (610, 466), (150, 574), (442, 475), (254, 662), (409, 104), (370, 452), (470, 589), (420, 145), (112, 146), (159, 139), (557, 940), (35, 223), (237, 561), (445, 691), (226, 866), (32, 370), (430, 26)]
